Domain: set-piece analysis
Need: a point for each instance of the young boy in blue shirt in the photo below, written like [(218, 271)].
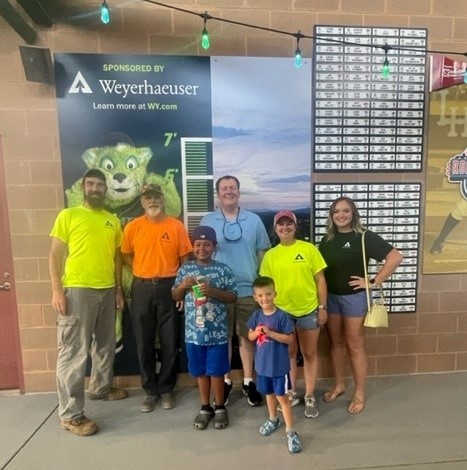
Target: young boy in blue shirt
[(272, 330), (206, 286)]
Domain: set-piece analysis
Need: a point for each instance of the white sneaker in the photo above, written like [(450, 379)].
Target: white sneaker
[(310, 407), (294, 400)]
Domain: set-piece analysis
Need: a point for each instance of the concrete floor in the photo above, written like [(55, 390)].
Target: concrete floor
[(410, 422)]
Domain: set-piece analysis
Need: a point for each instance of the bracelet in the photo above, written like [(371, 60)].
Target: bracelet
[(118, 287), (322, 307)]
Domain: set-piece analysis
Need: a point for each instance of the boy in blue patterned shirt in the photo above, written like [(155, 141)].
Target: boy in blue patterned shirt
[(272, 330), (206, 286)]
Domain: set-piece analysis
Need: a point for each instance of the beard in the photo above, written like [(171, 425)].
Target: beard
[(154, 212), (95, 200)]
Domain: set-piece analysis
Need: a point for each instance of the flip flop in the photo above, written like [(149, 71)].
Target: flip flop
[(332, 394), (356, 406)]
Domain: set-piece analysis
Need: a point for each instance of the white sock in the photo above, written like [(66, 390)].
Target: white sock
[(228, 381), (246, 381)]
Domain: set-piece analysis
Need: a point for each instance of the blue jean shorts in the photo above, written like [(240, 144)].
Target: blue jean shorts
[(305, 322), (350, 305), (212, 360)]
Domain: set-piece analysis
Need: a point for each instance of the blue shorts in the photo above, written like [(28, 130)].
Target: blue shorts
[(350, 305), (278, 386), (212, 360), (305, 322)]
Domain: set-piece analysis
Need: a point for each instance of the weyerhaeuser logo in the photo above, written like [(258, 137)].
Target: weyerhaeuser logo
[(114, 87), (80, 85)]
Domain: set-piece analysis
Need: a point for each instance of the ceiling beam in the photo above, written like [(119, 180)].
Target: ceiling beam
[(16, 21), (37, 12)]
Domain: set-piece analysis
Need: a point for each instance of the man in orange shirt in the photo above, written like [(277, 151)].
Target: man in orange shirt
[(154, 246)]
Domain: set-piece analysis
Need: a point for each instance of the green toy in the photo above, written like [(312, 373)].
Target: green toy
[(125, 169)]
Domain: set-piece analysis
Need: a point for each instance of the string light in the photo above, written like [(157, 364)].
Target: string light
[(105, 13), (465, 75), (385, 70), (298, 53), (205, 41), (323, 39)]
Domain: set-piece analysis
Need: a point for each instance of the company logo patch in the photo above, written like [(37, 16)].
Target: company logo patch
[(109, 224), (80, 85), (299, 257), (456, 171), (165, 236), (347, 245)]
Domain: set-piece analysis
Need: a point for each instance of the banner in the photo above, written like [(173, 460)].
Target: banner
[(182, 122), (445, 72), (445, 237)]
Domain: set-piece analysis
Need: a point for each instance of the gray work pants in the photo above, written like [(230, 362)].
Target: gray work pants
[(89, 326)]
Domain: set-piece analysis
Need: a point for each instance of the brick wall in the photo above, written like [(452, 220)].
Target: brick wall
[(432, 340)]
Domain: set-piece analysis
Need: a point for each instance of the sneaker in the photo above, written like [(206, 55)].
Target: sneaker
[(149, 403), (228, 387), (293, 399), (114, 393), (202, 419), (311, 411), (221, 418), (227, 392), (167, 401), (293, 442), (253, 397), (81, 426), (269, 427)]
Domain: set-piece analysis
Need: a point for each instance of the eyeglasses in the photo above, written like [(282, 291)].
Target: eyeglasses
[(233, 232)]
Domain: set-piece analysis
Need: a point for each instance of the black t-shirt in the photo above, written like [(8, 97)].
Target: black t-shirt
[(344, 257)]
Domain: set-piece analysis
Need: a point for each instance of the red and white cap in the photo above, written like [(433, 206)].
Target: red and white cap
[(285, 214)]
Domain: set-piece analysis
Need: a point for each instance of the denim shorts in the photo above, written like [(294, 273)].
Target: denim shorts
[(305, 322), (350, 305), (212, 360)]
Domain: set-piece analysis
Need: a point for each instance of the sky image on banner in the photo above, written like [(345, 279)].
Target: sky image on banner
[(182, 122), (262, 133), (445, 237)]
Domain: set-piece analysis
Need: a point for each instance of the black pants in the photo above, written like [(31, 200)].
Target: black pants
[(153, 311)]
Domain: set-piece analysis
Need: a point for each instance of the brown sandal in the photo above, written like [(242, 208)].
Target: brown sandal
[(332, 394), (356, 406)]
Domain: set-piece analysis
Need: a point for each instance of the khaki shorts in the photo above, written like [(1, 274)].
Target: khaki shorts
[(238, 314)]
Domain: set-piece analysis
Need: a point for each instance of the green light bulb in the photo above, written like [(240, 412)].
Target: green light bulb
[(385, 71), (205, 41)]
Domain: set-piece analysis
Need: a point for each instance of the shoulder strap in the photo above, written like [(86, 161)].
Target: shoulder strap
[(367, 288)]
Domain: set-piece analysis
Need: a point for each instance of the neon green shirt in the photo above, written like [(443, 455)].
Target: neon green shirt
[(293, 268), (92, 237)]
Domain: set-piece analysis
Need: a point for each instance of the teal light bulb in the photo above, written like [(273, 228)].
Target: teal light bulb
[(105, 13), (205, 41), (298, 59)]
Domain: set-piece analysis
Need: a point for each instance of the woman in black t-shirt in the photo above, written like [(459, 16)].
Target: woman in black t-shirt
[(341, 248)]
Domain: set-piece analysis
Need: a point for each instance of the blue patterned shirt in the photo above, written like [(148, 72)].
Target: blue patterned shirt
[(206, 324)]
